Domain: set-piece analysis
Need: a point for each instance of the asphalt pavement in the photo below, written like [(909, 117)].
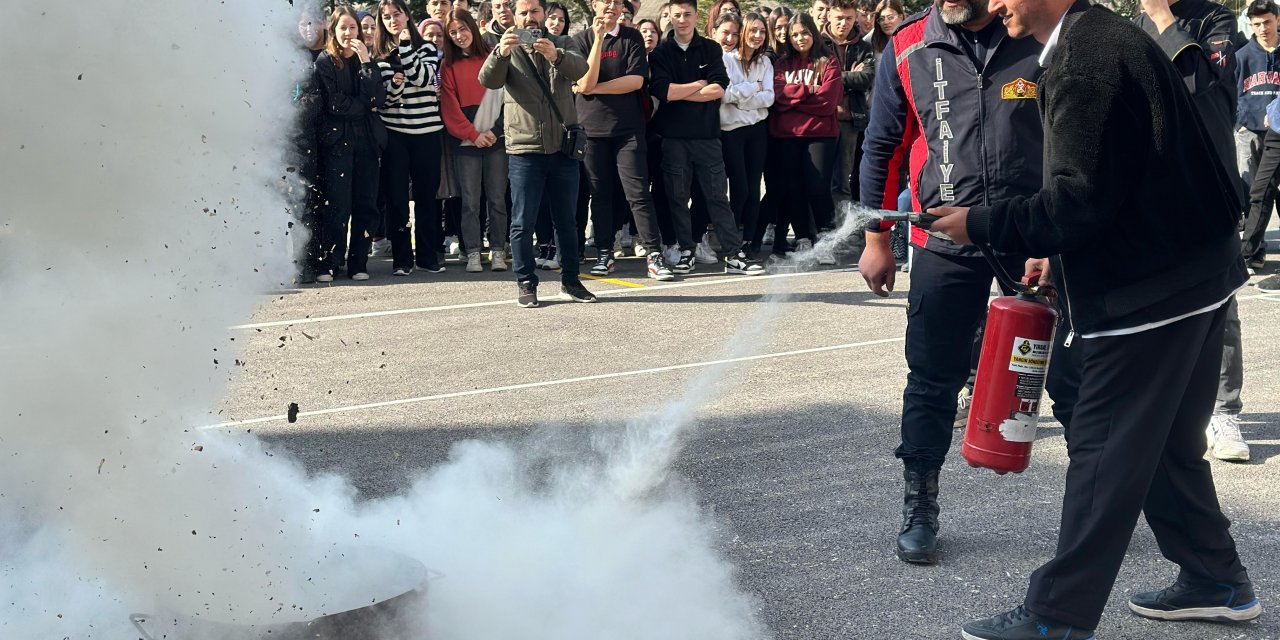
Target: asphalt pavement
[(792, 458)]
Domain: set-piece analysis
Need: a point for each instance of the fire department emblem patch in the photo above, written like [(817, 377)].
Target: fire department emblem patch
[(1020, 89)]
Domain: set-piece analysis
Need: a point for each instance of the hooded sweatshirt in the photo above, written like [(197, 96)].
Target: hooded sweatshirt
[(798, 110)]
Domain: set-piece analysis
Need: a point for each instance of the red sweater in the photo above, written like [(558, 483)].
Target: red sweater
[(798, 111), (460, 88)]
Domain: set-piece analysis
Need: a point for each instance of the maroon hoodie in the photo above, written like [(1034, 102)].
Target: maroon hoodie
[(798, 110)]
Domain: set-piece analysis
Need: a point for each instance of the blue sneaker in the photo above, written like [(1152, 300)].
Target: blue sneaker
[(1211, 602), (1021, 624)]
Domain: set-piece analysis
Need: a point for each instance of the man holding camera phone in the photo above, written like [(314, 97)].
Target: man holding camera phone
[(535, 129)]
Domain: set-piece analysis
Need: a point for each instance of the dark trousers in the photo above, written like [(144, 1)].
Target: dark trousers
[(658, 189), (946, 303), (806, 165), (769, 203), (417, 157), (1262, 198), (1136, 444), (682, 161), (744, 155), (535, 177), (1231, 374), (351, 182), (610, 162)]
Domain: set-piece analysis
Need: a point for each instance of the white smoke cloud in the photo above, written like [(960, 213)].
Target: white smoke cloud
[(145, 209)]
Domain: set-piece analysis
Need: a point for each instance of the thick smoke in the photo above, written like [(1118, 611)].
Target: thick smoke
[(147, 205)]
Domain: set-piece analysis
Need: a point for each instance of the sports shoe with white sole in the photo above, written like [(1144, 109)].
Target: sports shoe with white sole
[(671, 253), (658, 269), (1225, 440), (685, 263), (574, 291), (360, 276), (1209, 602), (603, 265), (380, 248), (473, 262), (324, 277), (1020, 624), (402, 271), (737, 264), (498, 260), (704, 254)]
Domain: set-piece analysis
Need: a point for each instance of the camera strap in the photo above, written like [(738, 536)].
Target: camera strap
[(542, 84)]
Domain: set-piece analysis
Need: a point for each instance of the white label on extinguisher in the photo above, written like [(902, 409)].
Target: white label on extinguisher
[(1029, 356), (1019, 428)]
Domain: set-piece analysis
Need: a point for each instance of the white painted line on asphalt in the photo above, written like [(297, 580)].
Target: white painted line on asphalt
[(552, 383), (494, 303)]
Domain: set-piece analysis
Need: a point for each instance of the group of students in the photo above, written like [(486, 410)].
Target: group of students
[(395, 114)]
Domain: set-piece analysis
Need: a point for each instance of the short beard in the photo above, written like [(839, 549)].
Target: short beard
[(972, 11)]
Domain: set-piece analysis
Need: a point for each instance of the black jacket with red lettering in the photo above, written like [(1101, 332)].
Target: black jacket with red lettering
[(970, 138)]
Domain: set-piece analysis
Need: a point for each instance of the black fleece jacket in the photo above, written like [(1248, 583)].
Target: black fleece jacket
[(1136, 205), (668, 65)]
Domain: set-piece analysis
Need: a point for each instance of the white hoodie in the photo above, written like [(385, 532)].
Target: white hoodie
[(748, 97)]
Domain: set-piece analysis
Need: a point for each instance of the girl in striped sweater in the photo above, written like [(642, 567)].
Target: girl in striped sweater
[(412, 117)]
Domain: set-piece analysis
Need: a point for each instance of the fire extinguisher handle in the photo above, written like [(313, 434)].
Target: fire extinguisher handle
[(1032, 278)]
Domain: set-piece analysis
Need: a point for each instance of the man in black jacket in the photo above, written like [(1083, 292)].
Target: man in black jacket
[(1140, 216), (688, 80), (954, 111)]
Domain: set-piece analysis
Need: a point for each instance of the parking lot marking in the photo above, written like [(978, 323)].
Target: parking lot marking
[(494, 303), (624, 283), (552, 383)]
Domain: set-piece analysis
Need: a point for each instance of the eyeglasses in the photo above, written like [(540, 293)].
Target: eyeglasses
[(889, 17)]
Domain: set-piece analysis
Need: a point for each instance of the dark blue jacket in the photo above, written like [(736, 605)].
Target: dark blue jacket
[(970, 138), (1257, 82)]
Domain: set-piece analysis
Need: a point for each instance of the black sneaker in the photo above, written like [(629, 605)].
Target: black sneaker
[(528, 294), (737, 263), (1212, 602), (1269, 284), (576, 292), (604, 264), (684, 264), (1255, 265), (432, 268), (1021, 624)]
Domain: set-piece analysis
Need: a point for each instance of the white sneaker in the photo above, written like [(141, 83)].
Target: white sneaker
[(360, 277), (712, 241), (380, 249), (553, 263), (671, 253), (498, 258), (590, 233), (452, 246), (473, 262), (618, 250), (703, 253), (639, 250), (802, 245), (768, 234), (1225, 441), (825, 255), (324, 277)]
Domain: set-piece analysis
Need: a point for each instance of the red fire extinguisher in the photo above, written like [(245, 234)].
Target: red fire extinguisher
[(1011, 370), (1011, 375)]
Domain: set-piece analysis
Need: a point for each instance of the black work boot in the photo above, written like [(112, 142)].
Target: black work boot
[(918, 541)]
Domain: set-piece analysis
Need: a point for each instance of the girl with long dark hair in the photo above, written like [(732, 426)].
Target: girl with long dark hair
[(807, 89), (412, 117), (473, 116), (744, 135), (351, 139), (889, 14)]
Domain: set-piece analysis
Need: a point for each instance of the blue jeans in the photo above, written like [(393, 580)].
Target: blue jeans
[(533, 177)]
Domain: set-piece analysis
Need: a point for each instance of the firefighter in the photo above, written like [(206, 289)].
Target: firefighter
[(955, 99)]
